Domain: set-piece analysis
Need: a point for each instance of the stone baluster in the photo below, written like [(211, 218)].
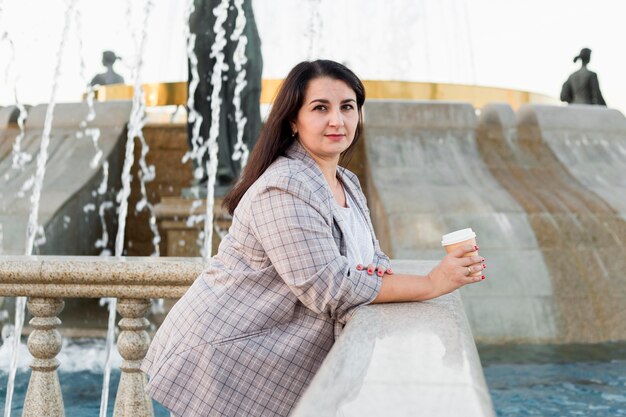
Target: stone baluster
[(133, 343), (43, 397)]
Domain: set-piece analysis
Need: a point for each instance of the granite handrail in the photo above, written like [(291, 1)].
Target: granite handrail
[(97, 276), (394, 359)]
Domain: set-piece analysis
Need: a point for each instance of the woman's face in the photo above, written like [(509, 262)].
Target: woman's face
[(328, 118)]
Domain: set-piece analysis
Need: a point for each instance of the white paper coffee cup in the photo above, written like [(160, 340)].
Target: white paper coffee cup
[(453, 240), (457, 237)]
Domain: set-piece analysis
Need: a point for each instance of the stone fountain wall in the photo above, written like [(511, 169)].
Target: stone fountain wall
[(69, 199), (544, 188), (544, 192)]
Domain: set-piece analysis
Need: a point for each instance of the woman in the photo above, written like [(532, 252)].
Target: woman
[(250, 333)]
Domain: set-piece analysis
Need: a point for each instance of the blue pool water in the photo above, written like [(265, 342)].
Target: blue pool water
[(547, 381), (80, 375), (555, 381), (81, 393)]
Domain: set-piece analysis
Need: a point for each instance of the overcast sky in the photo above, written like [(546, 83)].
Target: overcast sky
[(526, 45)]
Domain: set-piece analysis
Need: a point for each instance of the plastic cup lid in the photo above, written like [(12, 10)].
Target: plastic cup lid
[(458, 236)]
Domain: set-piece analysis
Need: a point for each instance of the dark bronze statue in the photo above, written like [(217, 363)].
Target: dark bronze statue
[(201, 23), (110, 76), (582, 87)]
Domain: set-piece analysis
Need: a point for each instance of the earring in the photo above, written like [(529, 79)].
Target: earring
[(293, 134)]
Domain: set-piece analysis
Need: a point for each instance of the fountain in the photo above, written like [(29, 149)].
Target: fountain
[(426, 167)]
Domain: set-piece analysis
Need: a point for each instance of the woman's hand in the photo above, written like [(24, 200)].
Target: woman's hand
[(456, 270), (371, 270)]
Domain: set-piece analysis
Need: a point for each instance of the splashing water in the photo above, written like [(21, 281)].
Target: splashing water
[(147, 174), (240, 151), (33, 226), (194, 117), (94, 134), (220, 12), (135, 125)]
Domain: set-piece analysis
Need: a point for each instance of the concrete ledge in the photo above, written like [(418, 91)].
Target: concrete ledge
[(577, 117), (419, 114), (113, 114), (94, 276), (406, 359)]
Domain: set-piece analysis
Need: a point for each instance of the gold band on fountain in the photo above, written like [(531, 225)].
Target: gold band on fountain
[(175, 93)]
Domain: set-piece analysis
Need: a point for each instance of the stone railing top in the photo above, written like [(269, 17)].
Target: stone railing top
[(402, 359), (94, 276), (500, 114), (419, 114)]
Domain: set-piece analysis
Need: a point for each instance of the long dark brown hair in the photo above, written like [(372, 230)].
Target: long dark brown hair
[(276, 137)]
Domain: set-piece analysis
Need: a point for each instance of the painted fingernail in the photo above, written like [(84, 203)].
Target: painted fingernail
[(389, 271), (475, 247), (484, 266), (483, 260), (482, 277), (359, 267), (380, 272), (370, 271)]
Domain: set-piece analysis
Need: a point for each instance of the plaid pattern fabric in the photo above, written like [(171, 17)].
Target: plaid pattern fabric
[(250, 333)]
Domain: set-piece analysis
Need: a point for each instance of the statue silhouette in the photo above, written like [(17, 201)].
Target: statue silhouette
[(110, 76), (582, 87)]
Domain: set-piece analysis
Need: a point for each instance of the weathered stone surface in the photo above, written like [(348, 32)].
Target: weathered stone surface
[(427, 177), (570, 173)]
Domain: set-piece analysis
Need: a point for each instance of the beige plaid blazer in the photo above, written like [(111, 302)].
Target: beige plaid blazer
[(250, 333)]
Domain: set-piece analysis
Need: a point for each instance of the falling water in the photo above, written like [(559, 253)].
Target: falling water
[(240, 59), (147, 173), (33, 226), (94, 134), (135, 125), (315, 29), (194, 117), (221, 13)]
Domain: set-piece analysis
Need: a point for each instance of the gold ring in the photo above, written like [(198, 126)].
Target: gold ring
[(469, 271)]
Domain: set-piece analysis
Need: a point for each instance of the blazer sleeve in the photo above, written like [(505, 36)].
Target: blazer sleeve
[(287, 220)]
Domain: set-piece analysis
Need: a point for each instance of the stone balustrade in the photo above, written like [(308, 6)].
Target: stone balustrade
[(390, 360), (46, 280)]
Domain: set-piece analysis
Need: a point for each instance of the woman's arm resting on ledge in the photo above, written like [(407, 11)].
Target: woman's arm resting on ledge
[(451, 273)]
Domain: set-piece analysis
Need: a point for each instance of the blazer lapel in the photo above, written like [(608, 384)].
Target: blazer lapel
[(313, 171)]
